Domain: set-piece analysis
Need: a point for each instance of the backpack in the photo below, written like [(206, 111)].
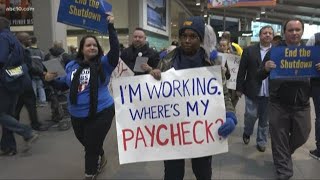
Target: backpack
[(37, 58), (60, 58)]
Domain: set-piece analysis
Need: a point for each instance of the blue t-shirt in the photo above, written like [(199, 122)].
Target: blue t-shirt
[(105, 100)]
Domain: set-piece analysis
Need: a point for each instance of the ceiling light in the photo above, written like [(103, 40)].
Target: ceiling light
[(263, 10), (197, 2), (258, 16), (205, 13)]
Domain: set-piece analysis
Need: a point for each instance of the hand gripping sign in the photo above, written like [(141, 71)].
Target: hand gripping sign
[(174, 118)]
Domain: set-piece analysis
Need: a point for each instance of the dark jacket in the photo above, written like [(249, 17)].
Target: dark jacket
[(7, 42), (292, 92), (247, 81), (316, 81), (56, 52), (130, 54), (38, 56)]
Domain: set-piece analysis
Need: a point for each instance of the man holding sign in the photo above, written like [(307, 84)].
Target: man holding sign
[(140, 58), (191, 55), (289, 106)]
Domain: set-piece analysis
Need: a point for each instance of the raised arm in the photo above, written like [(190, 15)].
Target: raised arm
[(113, 54)]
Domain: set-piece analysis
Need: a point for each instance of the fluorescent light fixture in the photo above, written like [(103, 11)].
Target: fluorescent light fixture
[(263, 10), (197, 2), (258, 16), (205, 13)]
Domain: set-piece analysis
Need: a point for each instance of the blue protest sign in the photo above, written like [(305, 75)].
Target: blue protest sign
[(87, 14), (295, 61)]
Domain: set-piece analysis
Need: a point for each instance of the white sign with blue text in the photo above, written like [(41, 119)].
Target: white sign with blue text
[(175, 118)]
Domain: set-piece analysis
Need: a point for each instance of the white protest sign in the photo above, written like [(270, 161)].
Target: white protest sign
[(233, 62), (175, 118)]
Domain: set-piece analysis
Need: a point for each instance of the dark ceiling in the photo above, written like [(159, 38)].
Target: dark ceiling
[(307, 10)]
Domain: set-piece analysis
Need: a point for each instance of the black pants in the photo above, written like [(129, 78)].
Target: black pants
[(174, 169), (28, 99), (7, 106), (289, 129), (91, 134), (57, 113)]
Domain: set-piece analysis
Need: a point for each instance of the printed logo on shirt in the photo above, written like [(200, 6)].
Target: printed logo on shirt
[(84, 78)]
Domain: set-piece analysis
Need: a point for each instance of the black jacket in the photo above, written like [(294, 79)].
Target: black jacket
[(247, 81), (130, 54), (292, 92), (56, 52)]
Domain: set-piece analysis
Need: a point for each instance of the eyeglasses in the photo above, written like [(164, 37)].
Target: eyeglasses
[(191, 37)]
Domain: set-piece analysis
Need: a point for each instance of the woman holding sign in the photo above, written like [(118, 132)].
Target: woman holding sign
[(90, 103)]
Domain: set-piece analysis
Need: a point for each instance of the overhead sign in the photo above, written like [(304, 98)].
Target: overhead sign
[(175, 118), (87, 14), (19, 12), (240, 3)]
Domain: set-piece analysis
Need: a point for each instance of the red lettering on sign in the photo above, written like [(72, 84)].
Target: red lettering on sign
[(165, 142), (125, 138), (194, 132)]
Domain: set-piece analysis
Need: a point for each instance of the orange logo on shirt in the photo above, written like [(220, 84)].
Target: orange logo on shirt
[(187, 23)]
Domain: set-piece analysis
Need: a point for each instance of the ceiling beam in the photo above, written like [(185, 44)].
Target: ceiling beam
[(252, 13)]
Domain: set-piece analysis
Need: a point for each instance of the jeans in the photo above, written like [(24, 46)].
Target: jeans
[(255, 109), (12, 124), (174, 169), (316, 102), (38, 89), (91, 134)]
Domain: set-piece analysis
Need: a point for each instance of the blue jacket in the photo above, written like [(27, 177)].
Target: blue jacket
[(81, 109), (7, 41)]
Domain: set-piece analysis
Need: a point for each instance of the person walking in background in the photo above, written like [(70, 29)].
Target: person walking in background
[(28, 97), (90, 104), (234, 47), (57, 51), (37, 56), (140, 48), (276, 40), (315, 90), (56, 97), (72, 52), (225, 48), (9, 98), (256, 91)]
